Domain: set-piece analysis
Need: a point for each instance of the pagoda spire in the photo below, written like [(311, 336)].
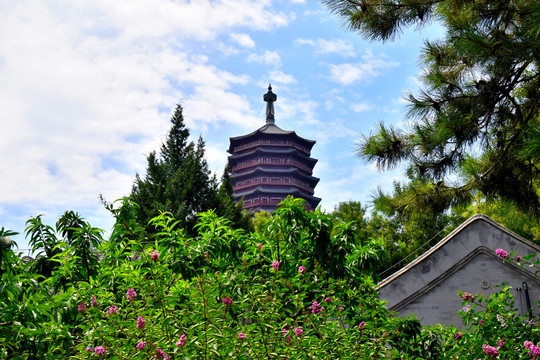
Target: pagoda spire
[(270, 97)]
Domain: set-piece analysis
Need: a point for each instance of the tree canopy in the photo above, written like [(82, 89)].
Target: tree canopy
[(478, 114), (178, 181)]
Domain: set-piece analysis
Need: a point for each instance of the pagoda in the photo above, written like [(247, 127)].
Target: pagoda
[(270, 163)]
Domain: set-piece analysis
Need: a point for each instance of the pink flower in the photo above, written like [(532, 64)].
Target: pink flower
[(298, 331), (490, 350), (154, 255), (131, 295), (160, 354), (182, 341), (141, 345), (288, 339), (534, 351), (82, 307), (361, 326), (327, 300), (93, 301), (481, 322), (316, 308), (518, 258), (241, 336), (341, 308), (100, 350), (89, 349), (501, 253), (112, 310), (275, 265), (260, 246), (458, 335), (501, 343), (467, 296), (301, 269), (140, 322), (227, 301)]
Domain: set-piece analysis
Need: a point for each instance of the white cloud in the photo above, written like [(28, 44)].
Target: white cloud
[(87, 87), (267, 58), (341, 47), (361, 107), (361, 72), (279, 77), (243, 39)]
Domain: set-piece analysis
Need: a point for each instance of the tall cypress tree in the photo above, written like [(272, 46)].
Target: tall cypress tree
[(177, 179)]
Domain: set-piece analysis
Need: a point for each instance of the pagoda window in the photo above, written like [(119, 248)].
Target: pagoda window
[(264, 179)]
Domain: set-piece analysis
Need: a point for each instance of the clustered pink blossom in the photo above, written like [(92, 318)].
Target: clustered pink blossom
[(490, 350), (458, 335), (89, 349), (100, 350), (327, 300), (298, 331), (340, 308), (285, 333), (501, 343), (140, 322), (241, 336), (182, 341), (518, 258), (481, 322), (131, 295), (83, 307), (160, 354), (141, 345), (301, 269), (316, 308), (260, 246), (227, 301), (93, 301), (154, 255), (361, 326), (501, 253), (112, 310), (275, 265), (534, 350), (467, 296)]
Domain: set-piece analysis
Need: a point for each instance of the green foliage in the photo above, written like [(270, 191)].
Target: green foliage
[(402, 238), (300, 289), (179, 182), (478, 114)]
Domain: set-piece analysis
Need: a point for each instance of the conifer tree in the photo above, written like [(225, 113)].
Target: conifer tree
[(478, 114), (179, 181)]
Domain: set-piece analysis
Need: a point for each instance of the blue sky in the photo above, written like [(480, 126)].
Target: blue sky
[(88, 88)]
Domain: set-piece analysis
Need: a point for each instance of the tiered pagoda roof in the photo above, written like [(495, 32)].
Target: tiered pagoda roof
[(270, 163)]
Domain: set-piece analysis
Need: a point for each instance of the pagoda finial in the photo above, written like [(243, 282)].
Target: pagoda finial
[(270, 97)]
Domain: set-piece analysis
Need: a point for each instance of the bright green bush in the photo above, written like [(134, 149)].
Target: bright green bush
[(277, 293)]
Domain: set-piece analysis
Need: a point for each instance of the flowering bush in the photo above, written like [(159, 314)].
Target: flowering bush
[(224, 294)]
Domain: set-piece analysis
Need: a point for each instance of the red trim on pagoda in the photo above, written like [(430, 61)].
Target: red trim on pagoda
[(270, 163)]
